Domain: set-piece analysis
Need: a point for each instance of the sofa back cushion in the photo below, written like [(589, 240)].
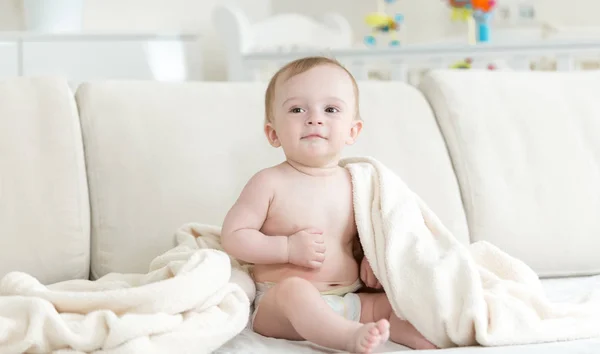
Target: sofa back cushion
[(44, 208), (526, 150), (161, 155)]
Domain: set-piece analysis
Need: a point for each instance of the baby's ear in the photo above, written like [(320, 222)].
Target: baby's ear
[(355, 130), (272, 135)]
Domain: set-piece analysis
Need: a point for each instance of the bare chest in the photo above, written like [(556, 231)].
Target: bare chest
[(307, 203)]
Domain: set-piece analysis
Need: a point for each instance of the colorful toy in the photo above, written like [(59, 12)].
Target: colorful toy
[(380, 22), (463, 64), (482, 12), (477, 14), (461, 10), (468, 64)]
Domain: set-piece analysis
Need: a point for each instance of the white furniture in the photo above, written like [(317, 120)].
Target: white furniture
[(256, 50), (9, 58), (94, 56), (99, 181), (279, 34), (407, 64)]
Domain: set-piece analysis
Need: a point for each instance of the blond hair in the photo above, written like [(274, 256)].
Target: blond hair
[(298, 67)]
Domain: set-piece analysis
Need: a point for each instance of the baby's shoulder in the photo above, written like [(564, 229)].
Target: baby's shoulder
[(267, 177)]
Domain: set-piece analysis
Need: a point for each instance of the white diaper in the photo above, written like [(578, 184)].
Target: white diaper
[(342, 300)]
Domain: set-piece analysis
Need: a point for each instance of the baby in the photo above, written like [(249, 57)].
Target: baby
[(295, 221)]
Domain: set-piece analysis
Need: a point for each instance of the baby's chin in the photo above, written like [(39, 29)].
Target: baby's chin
[(314, 157)]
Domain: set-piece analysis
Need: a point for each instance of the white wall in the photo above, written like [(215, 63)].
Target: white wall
[(10, 15)]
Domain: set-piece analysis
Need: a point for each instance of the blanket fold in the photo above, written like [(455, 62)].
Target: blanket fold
[(454, 294), (193, 299)]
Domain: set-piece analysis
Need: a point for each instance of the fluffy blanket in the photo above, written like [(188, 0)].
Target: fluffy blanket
[(456, 295), (193, 299)]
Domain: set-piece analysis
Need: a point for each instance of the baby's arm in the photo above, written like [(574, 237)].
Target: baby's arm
[(240, 235)]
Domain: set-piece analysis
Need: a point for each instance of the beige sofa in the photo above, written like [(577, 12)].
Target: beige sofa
[(97, 181)]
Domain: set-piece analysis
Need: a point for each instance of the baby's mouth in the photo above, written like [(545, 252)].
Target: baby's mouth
[(312, 137)]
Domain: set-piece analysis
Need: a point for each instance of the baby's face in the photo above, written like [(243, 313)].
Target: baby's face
[(314, 115)]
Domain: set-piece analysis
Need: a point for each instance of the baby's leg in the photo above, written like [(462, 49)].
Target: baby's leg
[(377, 306), (295, 310)]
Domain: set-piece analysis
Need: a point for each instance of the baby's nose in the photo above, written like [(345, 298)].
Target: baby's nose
[(315, 120)]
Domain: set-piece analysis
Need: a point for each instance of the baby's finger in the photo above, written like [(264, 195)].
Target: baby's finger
[(314, 231), (320, 257), (318, 238), (319, 247), (315, 264)]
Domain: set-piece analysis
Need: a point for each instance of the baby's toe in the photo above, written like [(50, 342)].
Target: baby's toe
[(383, 326), (374, 332)]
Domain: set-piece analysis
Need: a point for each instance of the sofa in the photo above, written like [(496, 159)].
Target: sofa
[(95, 180)]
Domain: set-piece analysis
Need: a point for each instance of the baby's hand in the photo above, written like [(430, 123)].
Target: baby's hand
[(306, 248), (367, 275)]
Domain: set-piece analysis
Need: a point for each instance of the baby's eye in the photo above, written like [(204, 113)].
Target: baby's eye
[(296, 110), (331, 110)]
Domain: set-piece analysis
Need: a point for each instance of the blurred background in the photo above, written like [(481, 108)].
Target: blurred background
[(179, 40)]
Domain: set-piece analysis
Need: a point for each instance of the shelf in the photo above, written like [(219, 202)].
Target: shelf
[(93, 36), (89, 56)]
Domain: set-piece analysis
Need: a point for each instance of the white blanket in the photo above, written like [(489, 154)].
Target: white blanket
[(193, 299), (456, 295)]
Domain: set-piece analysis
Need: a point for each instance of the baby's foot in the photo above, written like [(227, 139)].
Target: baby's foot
[(369, 336)]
